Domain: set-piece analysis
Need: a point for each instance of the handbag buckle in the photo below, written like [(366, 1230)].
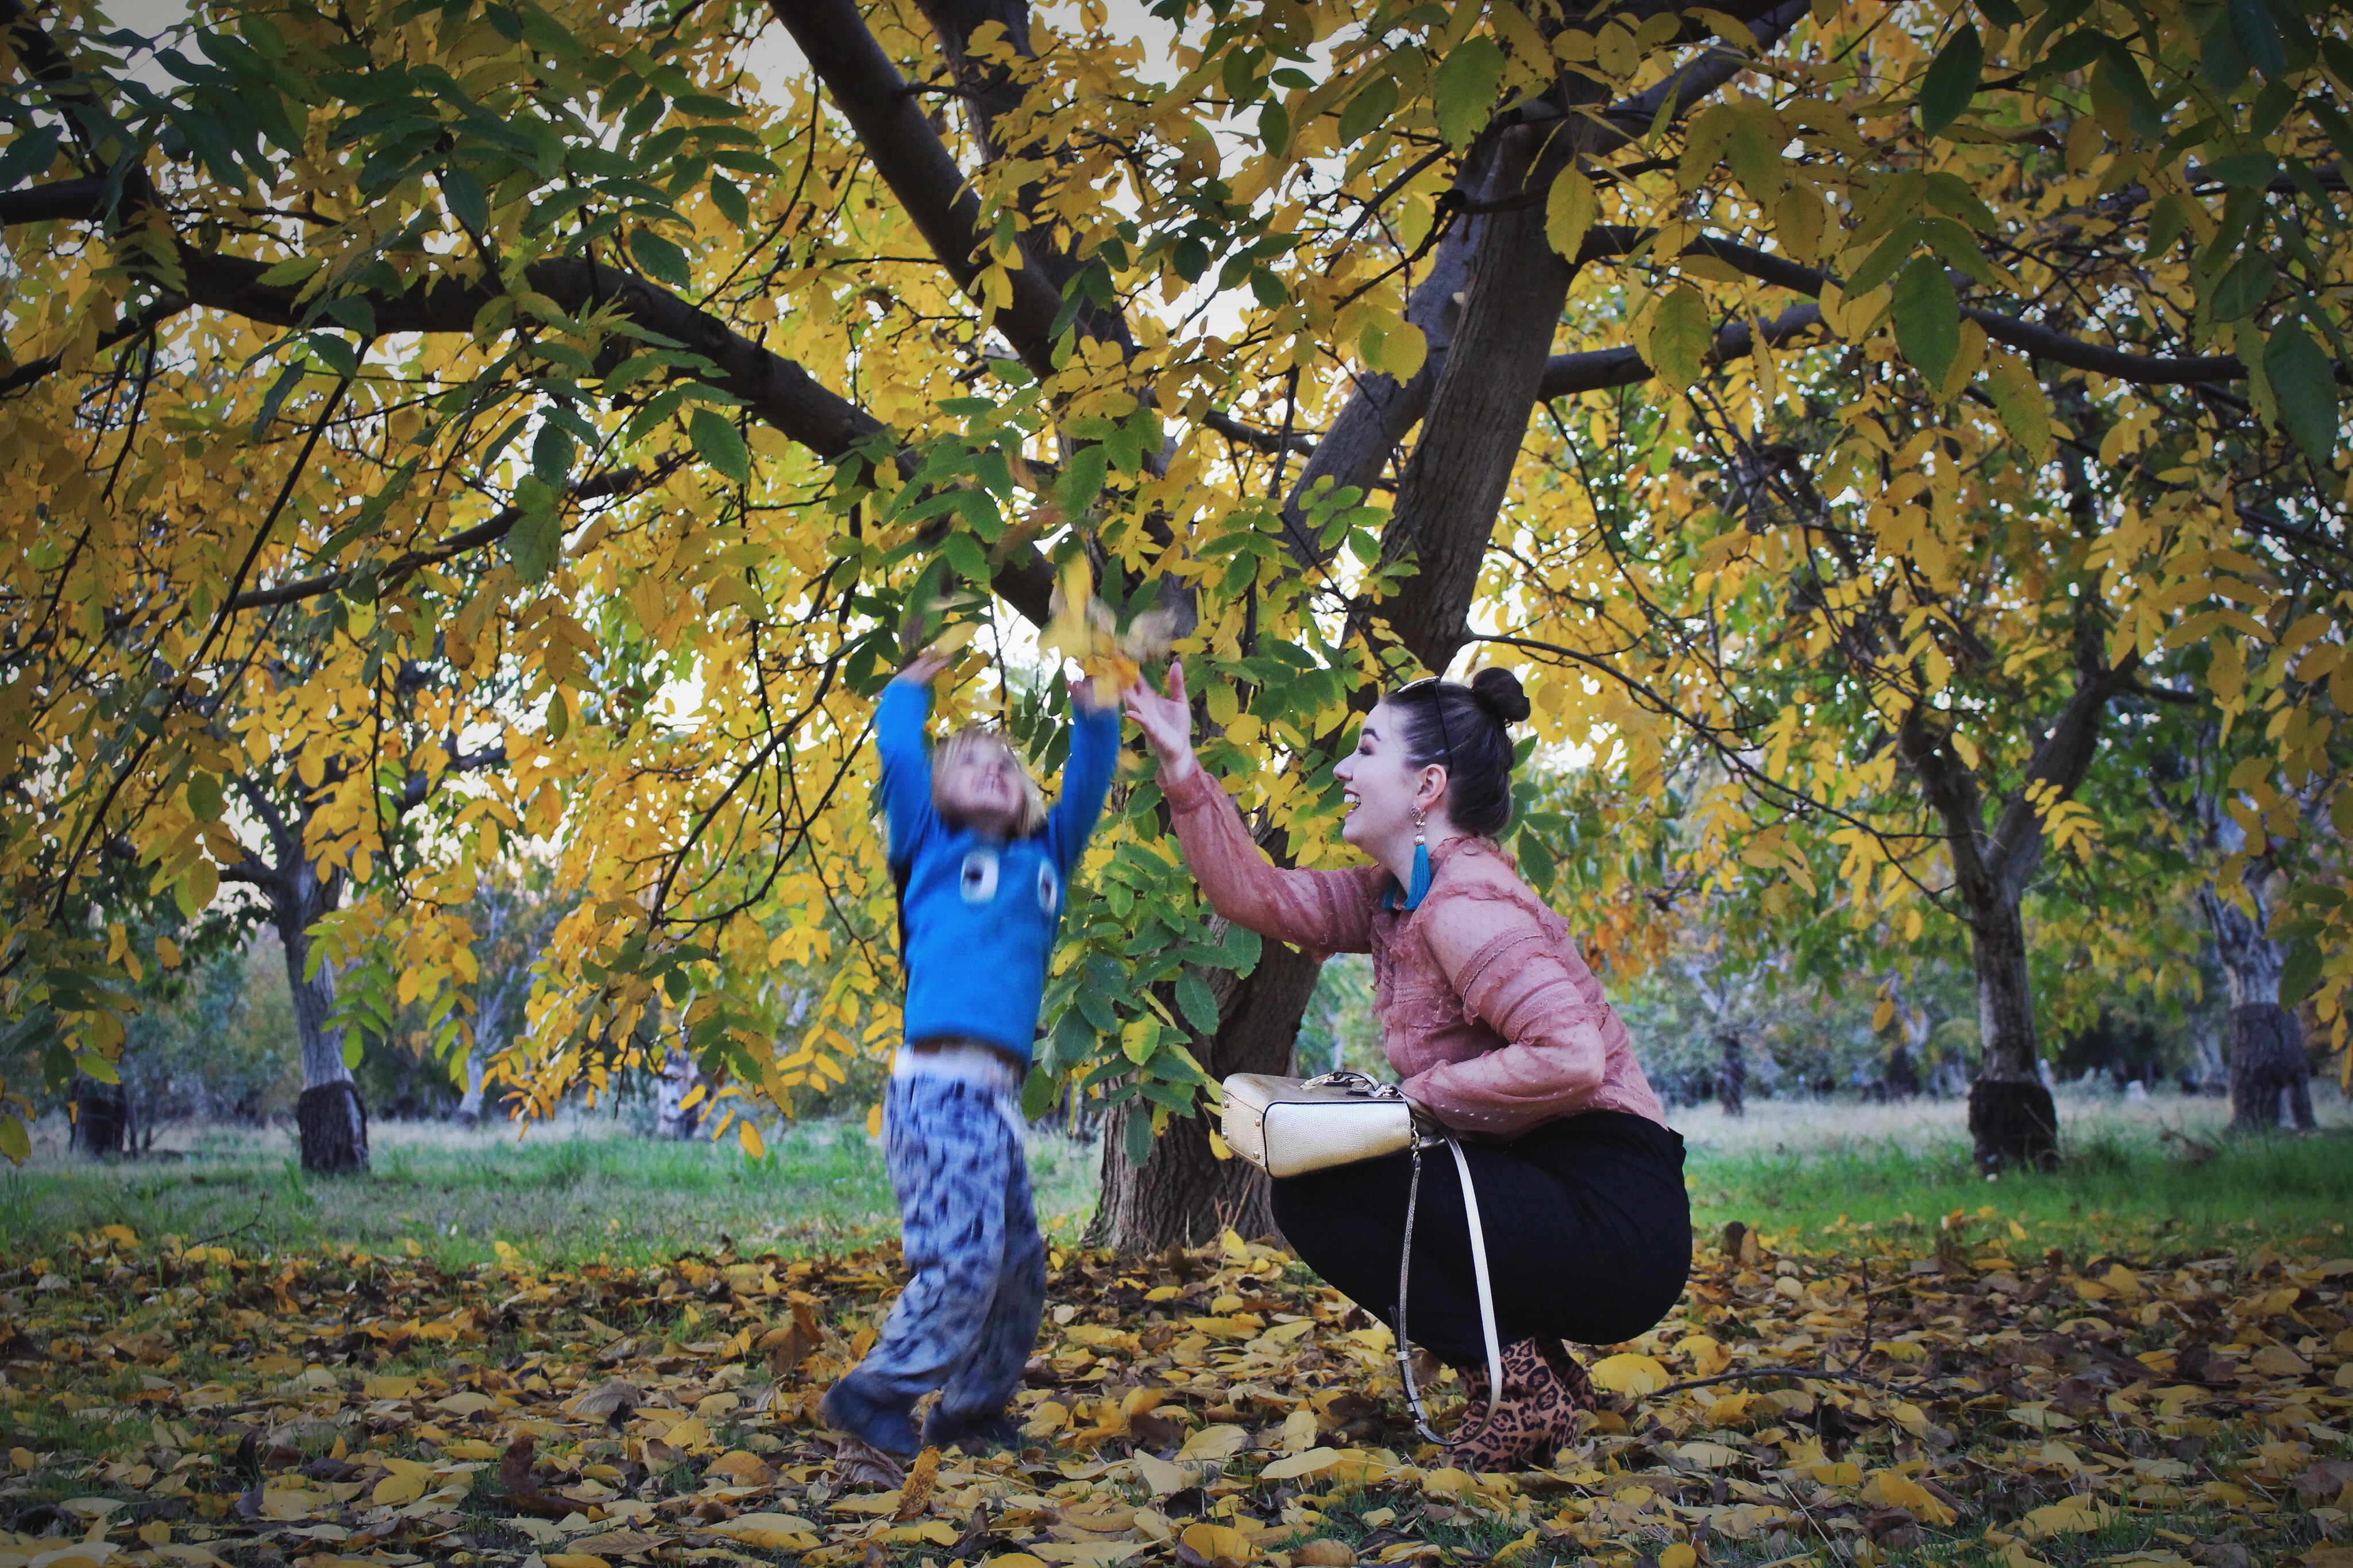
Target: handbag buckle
[(1356, 1082)]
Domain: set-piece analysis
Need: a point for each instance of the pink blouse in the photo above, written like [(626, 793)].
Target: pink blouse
[(1488, 1012)]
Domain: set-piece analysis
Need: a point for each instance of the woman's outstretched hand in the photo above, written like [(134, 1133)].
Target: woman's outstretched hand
[(1167, 721)]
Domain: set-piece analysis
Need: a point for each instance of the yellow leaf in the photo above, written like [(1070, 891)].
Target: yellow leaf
[(1214, 1541), (1682, 1554), (1629, 1373), (1893, 1488), (1570, 208), (396, 1489), (749, 1136)]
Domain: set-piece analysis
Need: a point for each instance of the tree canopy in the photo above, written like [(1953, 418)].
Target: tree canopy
[(500, 429)]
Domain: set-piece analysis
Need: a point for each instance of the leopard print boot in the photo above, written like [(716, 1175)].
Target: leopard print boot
[(1536, 1415)]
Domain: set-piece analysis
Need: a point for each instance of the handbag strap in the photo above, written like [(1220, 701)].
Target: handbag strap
[(1478, 1271)]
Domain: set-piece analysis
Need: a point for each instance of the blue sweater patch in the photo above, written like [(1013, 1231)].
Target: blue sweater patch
[(981, 913)]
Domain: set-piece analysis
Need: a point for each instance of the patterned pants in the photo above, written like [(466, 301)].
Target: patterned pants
[(968, 1319)]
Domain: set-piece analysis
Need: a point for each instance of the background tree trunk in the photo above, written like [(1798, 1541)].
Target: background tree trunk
[(1732, 1075), (2270, 1078), (2271, 1081), (2012, 1120), (1184, 1194), (331, 1118), (673, 1118), (101, 1118)]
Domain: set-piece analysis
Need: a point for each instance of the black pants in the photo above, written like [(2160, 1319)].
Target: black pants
[(1587, 1227)]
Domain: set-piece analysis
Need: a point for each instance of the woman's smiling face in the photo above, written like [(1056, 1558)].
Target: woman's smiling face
[(1378, 783)]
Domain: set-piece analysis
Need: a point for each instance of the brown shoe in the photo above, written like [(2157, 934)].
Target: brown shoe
[(1536, 1415)]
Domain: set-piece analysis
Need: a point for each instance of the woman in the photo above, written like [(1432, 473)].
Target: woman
[(1500, 1033)]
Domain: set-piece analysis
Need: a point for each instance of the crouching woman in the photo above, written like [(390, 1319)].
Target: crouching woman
[(1499, 1032)]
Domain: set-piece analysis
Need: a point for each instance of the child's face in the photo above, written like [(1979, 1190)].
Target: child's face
[(981, 789)]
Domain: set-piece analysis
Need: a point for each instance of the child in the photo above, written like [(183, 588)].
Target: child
[(982, 867)]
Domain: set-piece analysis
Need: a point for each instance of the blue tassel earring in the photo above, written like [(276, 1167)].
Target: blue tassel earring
[(1413, 895)]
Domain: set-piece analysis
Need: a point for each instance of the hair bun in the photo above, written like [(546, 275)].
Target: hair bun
[(1497, 691)]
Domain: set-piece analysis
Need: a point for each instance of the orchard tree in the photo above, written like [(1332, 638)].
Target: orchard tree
[(666, 407)]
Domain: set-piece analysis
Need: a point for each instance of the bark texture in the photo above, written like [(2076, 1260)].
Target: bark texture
[(1731, 1075), (101, 1118), (2271, 1079), (333, 1125), (1183, 1195), (673, 1117)]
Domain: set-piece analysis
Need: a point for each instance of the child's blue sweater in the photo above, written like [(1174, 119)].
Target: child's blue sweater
[(981, 912)]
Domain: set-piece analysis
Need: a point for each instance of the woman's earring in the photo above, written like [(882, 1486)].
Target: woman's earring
[(1413, 894)]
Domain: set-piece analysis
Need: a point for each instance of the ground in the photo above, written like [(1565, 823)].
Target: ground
[(587, 1350)]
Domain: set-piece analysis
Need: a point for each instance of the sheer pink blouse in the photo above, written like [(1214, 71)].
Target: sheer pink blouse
[(1488, 1012)]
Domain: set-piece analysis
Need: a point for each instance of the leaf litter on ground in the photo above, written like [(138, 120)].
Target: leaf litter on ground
[(175, 1406)]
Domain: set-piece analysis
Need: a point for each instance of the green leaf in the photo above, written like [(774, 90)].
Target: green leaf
[(1081, 480), (1369, 109), (1952, 79), (2002, 13), (1038, 1093), (1199, 1008), (2305, 384), (662, 261), (1927, 318), (535, 544), (1466, 88), (718, 443), (351, 1048), (2300, 975), (1139, 1136), (1680, 336), (2259, 36)]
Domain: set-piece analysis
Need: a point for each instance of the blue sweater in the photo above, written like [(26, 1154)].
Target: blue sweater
[(981, 912)]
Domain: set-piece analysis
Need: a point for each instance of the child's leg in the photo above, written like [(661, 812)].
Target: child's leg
[(947, 1149), (991, 1370)]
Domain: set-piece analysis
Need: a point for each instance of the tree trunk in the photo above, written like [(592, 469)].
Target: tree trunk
[(332, 1121), (1732, 1075), (673, 1117), (1452, 487), (1184, 1194), (2270, 1078), (101, 1118), (2271, 1081), (2013, 1120)]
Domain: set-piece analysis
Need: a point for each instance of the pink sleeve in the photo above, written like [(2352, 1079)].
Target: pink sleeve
[(1511, 976), (1329, 911)]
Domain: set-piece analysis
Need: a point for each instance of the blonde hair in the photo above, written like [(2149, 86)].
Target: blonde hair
[(960, 748)]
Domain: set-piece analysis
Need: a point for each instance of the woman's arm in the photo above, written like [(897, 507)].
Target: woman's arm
[(1511, 976), (1330, 911)]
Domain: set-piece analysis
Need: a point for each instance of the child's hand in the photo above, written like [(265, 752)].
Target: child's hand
[(1082, 694), (922, 669), (1167, 721)]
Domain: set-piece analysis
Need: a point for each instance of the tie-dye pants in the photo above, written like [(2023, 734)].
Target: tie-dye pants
[(968, 1319)]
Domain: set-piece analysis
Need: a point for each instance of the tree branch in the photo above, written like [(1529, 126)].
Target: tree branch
[(1603, 368), (913, 162)]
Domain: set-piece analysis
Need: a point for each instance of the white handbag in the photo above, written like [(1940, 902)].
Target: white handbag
[(1290, 1127)]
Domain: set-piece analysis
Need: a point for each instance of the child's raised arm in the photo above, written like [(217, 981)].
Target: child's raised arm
[(906, 765), (1086, 777)]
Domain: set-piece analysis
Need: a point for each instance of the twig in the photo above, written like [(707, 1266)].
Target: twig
[(1809, 1373)]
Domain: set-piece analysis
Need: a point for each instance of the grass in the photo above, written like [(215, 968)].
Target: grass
[(2133, 1176), (581, 1188), (2141, 1177)]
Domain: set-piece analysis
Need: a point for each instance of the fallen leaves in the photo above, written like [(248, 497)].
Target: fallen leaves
[(1194, 1410)]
